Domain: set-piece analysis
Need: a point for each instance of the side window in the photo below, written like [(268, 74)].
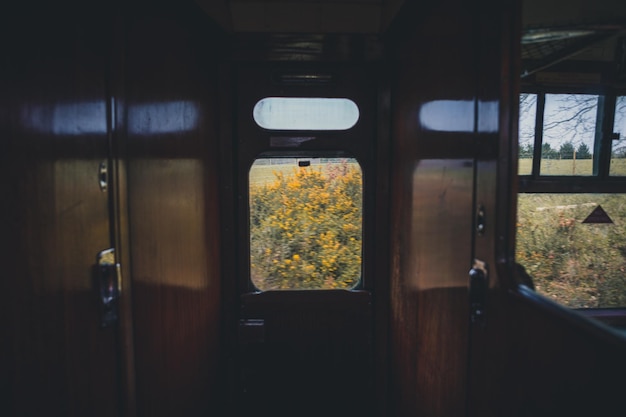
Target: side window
[(306, 217), (571, 226)]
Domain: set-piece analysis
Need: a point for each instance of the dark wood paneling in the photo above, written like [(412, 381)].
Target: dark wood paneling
[(58, 361), (174, 225), (564, 363), (381, 285), (311, 357), (429, 305)]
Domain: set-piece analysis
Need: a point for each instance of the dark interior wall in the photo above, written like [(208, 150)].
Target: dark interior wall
[(563, 363), (54, 358)]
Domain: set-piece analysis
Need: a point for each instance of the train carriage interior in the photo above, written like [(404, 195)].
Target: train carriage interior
[(373, 208)]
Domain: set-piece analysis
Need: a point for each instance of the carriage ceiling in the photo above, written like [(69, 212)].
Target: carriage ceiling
[(302, 16), (553, 30)]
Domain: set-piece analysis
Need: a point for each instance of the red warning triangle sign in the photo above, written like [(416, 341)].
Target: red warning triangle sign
[(598, 215)]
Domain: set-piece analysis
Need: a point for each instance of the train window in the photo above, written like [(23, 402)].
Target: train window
[(574, 247), (618, 151), (571, 228), (305, 223), (305, 113)]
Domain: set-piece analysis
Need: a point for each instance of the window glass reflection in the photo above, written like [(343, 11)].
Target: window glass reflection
[(569, 128), (528, 112), (618, 152)]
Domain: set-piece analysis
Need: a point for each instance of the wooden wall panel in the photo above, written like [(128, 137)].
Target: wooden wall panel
[(312, 356), (58, 361), (174, 226), (434, 144)]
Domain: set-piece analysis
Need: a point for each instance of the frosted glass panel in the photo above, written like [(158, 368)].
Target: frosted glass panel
[(304, 113)]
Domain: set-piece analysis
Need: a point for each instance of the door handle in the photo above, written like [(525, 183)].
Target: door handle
[(107, 284)]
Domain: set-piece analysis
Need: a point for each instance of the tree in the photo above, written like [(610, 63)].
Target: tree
[(619, 152), (570, 116), (566, 151), (547, 152), (583, 152), (526, 151)]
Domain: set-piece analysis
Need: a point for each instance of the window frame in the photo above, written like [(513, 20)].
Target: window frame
[(600, 181), (256, 81), (360, 285)]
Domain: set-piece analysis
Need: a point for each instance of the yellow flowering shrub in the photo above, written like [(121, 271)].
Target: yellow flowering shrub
[(305, 228)]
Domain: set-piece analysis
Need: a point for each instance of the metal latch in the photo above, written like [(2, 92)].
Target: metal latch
[(107, 283), (479, 286), (103, 176)]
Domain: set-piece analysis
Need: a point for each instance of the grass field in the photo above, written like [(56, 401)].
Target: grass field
[(570, 166), (264, 174)]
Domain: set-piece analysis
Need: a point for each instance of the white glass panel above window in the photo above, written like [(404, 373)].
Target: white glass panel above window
[(305, 113)]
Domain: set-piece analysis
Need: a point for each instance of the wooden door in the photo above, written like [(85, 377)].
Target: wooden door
[(57, 359)]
